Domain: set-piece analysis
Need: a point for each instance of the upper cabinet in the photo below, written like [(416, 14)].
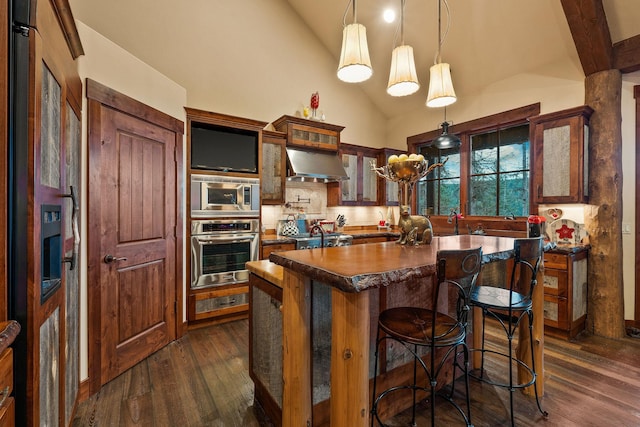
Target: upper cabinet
[(361, 189), (309, 133), (561, 156), (274, 167)]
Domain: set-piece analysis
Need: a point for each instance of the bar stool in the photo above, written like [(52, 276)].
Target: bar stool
[(421, 330), (508, 305)]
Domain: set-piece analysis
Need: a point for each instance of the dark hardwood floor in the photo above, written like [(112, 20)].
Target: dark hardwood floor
[(203, 380)]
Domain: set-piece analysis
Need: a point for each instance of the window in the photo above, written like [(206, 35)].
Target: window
[(439, 192), (488, 175), (499, 177)]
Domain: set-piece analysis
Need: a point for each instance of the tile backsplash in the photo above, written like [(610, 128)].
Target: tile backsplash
[(311, 199)]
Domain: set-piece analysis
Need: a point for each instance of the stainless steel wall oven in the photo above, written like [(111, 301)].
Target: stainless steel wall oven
[(219, 250)]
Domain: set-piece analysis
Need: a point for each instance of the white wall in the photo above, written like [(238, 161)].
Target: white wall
[(111, 66)]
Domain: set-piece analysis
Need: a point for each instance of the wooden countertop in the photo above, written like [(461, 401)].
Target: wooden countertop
[(267, 270), (360, 267)]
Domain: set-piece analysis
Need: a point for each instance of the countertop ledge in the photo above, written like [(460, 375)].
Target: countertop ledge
[(267, 270), (360, 267)]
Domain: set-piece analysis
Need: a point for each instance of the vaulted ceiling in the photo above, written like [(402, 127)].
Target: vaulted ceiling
[(488, 40)]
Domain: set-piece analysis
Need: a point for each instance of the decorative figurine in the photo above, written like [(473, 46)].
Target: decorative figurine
[(406, 170), (315, 103)]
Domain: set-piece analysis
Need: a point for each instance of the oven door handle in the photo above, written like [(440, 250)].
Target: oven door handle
[(212, 239)]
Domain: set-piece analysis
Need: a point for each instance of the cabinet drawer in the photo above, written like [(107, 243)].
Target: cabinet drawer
[(555, 261), (555, 312), (8, 413), (280, 247), (222, 302), (556, 282), (6, 371)]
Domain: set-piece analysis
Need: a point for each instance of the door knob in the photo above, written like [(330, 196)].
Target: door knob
[(110, 258)]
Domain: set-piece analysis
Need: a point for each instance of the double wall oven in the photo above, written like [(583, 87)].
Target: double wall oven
[(225, 229)]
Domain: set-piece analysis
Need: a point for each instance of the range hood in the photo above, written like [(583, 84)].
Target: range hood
[(314, 166)]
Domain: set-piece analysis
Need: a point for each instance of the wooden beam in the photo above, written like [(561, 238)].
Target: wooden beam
[(626, 54), (588, 24)]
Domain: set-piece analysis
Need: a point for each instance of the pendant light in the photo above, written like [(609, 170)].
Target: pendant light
[(446, 140), (355, 64), (441, 91), (403, 79)]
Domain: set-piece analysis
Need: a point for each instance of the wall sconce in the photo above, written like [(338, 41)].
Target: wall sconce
[(403, 79), (355, 64), (441, 92)]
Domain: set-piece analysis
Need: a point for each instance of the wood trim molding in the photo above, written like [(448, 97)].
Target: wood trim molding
[(506, 117), (107, 96), (636, 311), (224, 119), (68, 25)]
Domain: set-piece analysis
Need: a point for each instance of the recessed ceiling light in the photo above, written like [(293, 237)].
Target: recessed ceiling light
[(389, 15)]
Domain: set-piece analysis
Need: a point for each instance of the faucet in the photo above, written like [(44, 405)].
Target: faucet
[(317, 227), (453, 218)]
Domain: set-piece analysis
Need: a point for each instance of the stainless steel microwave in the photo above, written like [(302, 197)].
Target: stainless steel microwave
[(224, 196)]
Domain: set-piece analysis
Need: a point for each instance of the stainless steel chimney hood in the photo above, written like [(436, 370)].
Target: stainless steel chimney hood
[(314, 166)]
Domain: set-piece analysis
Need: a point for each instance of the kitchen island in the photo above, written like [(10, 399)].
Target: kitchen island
[(360, 280)]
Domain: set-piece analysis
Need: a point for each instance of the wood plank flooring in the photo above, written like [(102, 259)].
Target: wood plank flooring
[(203, 380)]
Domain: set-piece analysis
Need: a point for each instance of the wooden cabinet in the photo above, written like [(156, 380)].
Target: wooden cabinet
[(309, 133), (222, 303), (565, 293), (561, 156), (364, 240), (266, 250), (361, 189), (7, 410), (274, 167)]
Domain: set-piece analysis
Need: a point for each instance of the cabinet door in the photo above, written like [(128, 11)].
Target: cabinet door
[(561, 159), (369, 180), (349, 187), (273, 168)]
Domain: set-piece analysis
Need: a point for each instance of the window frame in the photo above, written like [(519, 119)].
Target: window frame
[(464, 131)]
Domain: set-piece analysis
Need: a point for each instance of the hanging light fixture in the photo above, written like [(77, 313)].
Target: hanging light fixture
[(403, 79), (441, 91), (446, 140), (355, 64)]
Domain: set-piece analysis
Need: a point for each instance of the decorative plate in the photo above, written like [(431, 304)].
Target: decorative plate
[(565, 232), (554, 213)]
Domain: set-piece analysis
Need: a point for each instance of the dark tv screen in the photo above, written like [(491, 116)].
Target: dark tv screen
[(223, 149)]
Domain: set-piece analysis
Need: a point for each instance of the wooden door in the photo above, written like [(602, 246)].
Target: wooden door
[(133, 216)]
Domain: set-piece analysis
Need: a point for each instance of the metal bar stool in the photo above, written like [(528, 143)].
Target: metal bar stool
[(508, 305), (425, 329)]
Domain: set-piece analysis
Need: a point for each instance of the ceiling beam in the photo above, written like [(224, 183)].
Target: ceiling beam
[(588, 24), (626, 54)]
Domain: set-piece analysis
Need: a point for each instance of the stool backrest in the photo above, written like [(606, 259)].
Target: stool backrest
[(526, 263), (457, 269)]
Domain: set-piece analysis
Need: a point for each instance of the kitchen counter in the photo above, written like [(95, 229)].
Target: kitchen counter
[(273, 239), (351, 273)]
